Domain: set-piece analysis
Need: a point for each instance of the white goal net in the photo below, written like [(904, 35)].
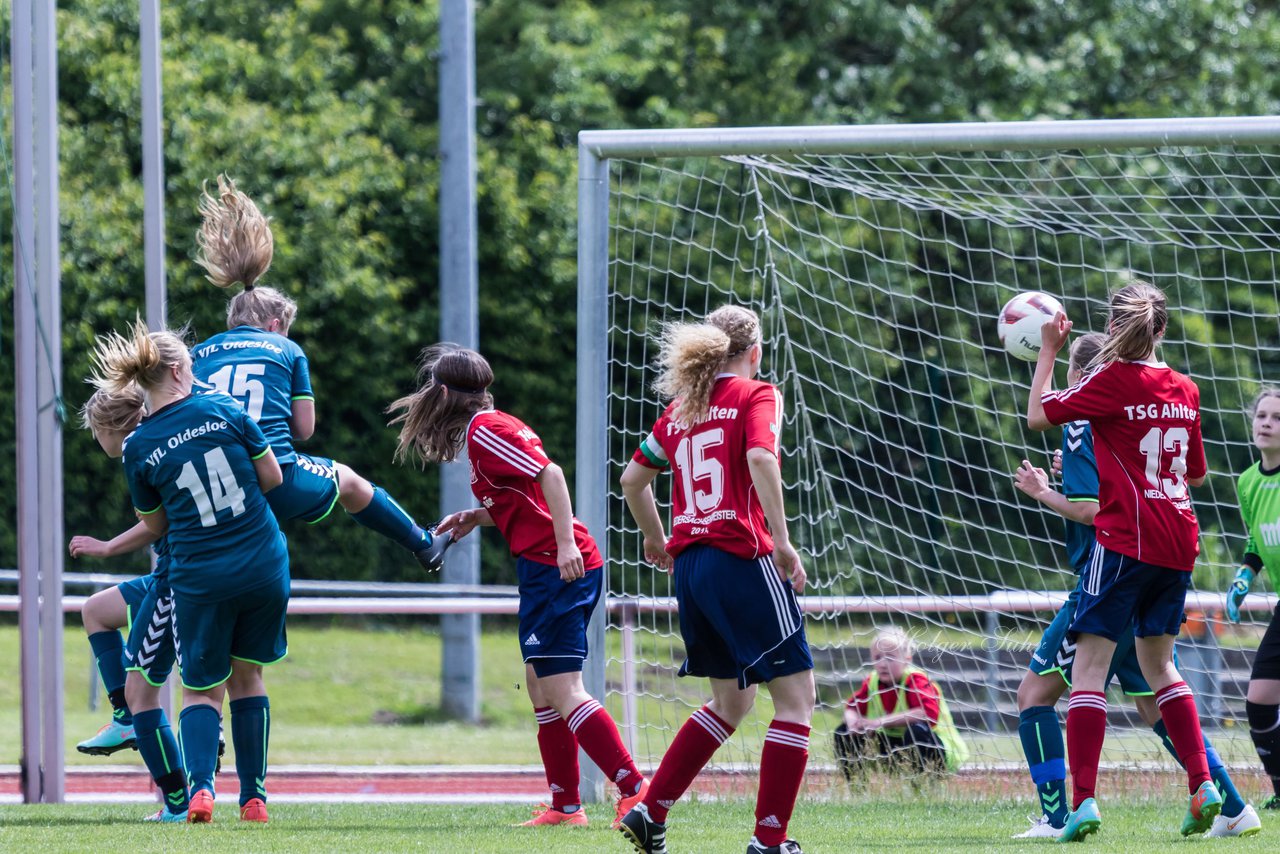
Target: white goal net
[(879, 277)]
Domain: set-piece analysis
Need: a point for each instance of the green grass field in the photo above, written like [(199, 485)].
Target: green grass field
[(370, 696), (706, 827)]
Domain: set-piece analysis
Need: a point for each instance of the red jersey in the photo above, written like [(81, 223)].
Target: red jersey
[(506, 457), (715, 502), (1146, 435), (918, 690)]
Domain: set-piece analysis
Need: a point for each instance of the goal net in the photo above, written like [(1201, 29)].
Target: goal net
[(878, 276)]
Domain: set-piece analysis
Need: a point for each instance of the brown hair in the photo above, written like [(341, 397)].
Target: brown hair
[(144, 358), (236, 246), (1267, 391), (1139, 316), (1085, 350), (693, 353), (116, 411), (453, 386)]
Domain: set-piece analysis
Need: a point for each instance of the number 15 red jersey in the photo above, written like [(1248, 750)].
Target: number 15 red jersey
[(1146, 433), (715, 502)]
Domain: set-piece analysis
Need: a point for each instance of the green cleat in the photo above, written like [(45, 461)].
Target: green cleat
[(1082, 821), (1271, 803), (109, 739), (1201, 809)]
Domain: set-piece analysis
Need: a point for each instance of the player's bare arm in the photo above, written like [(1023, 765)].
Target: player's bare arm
[(137, 537), (556, 491), (1034, 482), (1052, 336), (766, 476), (637, 488)]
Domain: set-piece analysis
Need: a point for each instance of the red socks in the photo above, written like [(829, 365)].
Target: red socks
[(786, 751), (1178, 711), (598, 735), (559, 751), (692, 748), (1086, 727)]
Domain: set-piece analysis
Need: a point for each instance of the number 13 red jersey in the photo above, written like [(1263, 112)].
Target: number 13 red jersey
[(715, 502), (1146, 433)]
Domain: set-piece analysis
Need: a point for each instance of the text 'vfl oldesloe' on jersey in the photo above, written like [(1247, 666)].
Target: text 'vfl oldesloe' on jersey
[(715, 501), (194, 458), (263, 370)]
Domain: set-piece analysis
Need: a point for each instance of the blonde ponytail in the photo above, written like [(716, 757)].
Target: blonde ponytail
[(692, 354), (144, 357), (1139, 317)]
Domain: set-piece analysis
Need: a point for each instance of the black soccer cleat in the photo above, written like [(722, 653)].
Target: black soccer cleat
[(431, 556), (790, 846), (647, 835), (222, 749)]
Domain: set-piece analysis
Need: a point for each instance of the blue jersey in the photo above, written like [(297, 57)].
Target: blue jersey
[(1079, 483), (195, 459), (263, 370)]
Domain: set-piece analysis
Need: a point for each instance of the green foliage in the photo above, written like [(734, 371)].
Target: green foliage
[(325, 112)]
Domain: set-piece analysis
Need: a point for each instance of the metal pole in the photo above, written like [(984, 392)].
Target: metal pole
[(991, 649), (593, 386), (152, 163), (48, 387), (459, 322), (25, 354)]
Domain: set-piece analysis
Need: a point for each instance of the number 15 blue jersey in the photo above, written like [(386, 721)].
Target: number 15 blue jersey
[(263, 370), (194, 458)]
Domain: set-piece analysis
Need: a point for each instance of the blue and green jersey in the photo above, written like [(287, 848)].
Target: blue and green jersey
[(263, 370), (194, 458), (1079, 483)]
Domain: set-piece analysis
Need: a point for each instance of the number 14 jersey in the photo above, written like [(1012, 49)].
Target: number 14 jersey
[(714, 501), (1146, 432)]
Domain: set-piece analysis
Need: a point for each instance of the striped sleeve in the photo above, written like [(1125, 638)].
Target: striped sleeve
[(509, 452), (1095, 396), (650, 454)]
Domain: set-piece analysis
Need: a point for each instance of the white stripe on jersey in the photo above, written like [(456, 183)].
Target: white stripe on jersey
[(500, 447), (1067, 392)]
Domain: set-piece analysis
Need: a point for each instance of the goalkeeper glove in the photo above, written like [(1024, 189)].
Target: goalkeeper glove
[(1237, 591)]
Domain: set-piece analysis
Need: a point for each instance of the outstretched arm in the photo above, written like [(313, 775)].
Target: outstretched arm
[(138, 537)]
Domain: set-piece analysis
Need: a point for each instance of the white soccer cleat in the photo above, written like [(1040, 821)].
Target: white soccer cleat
[(1039, 829), (1245, 824)]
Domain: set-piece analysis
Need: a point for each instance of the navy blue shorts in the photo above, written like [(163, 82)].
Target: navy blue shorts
[(738, 618), (133, 592), (308, 492), (1121, 595), (248, 626), (554, 616), (1057, 653), (150, 650)]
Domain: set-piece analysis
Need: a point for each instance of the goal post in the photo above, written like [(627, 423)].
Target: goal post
[(878, 257)]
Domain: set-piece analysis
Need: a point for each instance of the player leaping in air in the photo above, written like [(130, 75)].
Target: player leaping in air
[(255, 362), (1146, 428), (1050, 673)]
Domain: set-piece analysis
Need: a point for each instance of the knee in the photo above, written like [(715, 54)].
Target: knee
[(1261, 716)]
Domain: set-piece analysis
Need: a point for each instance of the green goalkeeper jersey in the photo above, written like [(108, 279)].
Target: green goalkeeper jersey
[(1258, 492)]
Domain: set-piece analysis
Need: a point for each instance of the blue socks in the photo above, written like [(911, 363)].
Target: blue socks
[(250, 732), (159, 750), (200, 726), (1232, 803), (108, 652), (388, 518), (1041, 736)]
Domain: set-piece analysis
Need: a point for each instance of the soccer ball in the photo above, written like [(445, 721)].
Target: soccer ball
[(1020, 321)]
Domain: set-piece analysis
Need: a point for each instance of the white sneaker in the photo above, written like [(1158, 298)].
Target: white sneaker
[(1245, 824), (1040, 829)]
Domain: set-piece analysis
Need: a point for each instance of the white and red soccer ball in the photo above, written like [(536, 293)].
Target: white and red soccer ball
[(1020, 320)]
